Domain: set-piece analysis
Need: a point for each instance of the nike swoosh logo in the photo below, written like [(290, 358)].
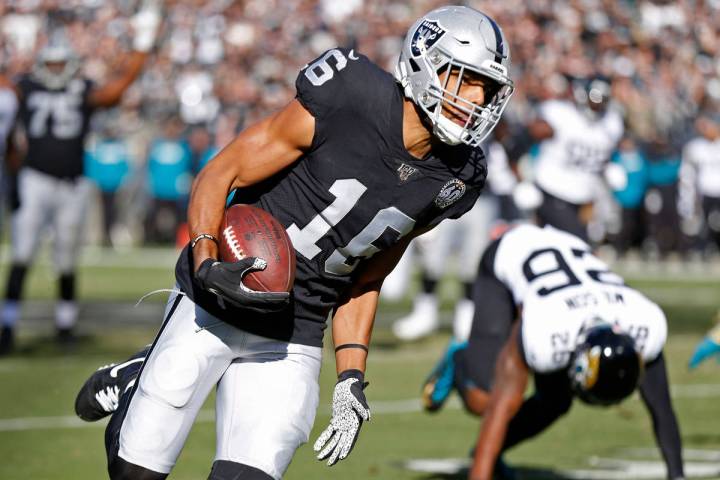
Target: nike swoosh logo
[(117, 368), (352, 55)]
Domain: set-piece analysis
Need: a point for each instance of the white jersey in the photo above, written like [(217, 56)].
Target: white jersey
[(701, 161), (500, 179), (8, 111), (569, 163), (561, 286)]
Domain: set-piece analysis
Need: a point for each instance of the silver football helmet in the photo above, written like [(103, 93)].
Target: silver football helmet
[(61, 54), (458, 40)]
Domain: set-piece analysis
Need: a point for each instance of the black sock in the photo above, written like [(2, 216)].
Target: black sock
[(16, 280)]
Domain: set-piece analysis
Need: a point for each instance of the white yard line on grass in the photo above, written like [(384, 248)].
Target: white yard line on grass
[(380, 407)]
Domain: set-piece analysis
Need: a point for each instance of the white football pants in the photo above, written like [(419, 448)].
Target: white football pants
[(267, 393), (47, 201)]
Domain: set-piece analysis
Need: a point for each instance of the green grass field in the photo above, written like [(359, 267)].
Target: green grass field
[(40, 439)]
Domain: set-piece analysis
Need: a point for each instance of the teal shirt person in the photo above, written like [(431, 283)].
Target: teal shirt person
[(636, 169), (107, 164), (169, 169)]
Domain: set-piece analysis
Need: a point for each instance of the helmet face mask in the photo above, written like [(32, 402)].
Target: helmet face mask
[(458, 43), (605, 368), (56, 65)]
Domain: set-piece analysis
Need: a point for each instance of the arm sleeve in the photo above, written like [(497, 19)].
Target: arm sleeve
[(656, 395)]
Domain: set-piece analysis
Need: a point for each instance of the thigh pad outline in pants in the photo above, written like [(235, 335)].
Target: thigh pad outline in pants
[(266, 405), (187, 360)]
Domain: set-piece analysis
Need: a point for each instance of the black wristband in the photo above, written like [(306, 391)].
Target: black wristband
[(351, 373), (351, 345)]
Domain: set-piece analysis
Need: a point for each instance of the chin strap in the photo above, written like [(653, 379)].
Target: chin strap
[(402, 78), (447, 131)]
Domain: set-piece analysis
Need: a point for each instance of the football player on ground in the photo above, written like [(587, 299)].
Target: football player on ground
[(330, 167), (576, 140), (55, 108), (545, 305)]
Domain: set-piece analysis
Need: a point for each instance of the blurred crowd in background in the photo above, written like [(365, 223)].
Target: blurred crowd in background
[(222, 64)]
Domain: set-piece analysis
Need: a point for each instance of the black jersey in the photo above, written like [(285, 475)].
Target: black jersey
[(56, 122), (357, 191)]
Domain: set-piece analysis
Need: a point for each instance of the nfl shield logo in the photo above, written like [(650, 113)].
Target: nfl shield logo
[(426, 35), (405, 171), (450, 193)]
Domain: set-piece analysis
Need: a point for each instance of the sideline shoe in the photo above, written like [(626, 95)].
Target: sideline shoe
[(100, 395), (7, 340), (421, 322), (439, 384)]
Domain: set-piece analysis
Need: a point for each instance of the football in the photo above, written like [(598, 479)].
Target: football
[(251, 231)]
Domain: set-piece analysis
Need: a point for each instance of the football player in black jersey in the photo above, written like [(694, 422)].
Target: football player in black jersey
[(55, 108), (357, 165)]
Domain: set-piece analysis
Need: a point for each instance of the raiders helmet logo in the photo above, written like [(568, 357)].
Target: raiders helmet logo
[(450, 193), (426, 35)]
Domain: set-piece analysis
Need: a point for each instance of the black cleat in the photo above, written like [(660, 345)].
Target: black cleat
[(7, 340), (100, 395)]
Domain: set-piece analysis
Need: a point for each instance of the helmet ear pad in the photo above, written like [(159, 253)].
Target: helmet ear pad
[(605, 368)]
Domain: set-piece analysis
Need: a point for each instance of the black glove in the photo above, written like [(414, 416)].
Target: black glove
[(224, 279), (349, 410)]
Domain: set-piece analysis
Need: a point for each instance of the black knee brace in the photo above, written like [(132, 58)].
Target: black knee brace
[(226, 470)]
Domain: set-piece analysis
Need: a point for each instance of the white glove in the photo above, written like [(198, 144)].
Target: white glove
[(349, 409), (615, 176), (527, 196), (145, 23)]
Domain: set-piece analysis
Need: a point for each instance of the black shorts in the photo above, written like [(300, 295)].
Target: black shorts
[(495, 314), (711, 209), (562, 215)]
